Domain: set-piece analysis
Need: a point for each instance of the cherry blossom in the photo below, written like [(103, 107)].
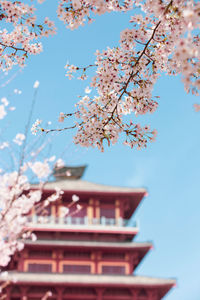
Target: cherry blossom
[(16, 91), (64, 211), (3, 112), (79, 207), (197, 107), (18, 43), (163, 37), (59, 163), (36, 84), (4, 101), (4, 145), (16, 200), (35, 126), (74, 13), (20, 137), (75, 198), (17, 195), (41, 170)]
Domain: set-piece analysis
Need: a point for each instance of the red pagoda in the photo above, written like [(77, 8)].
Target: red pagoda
[(87, 254)]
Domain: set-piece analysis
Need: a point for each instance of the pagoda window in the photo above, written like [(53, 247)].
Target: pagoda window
[(119, 270), (35, 268), (43, 215), (44, 211), (113, 256), (48, 235), (142, 295), (39, 292), (117, 293), (107, 212), (77, 269), (39, 253), (38, 298), (15, 292), (81, 291), (74, 212), (75, 216), (77, 255)]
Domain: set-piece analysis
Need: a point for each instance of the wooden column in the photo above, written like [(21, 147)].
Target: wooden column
[(117, 212), (99, 294), (134, 294), (59, 293), (7, 293), (152, 294), (90, 211), (134, 260), (98, 259), (24, 293), (97, 211), (20, 266)]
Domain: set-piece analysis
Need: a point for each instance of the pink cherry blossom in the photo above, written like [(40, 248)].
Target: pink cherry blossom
[(40, 169), (3, 112), (18, 196), (75, 198), (64, 211), (36, 84), (4, 101), (60, 163), (21, 40), (20, 137), (163, 37)]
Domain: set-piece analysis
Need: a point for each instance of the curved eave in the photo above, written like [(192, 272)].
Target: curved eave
[(90, 244), (86, 189), (141, 248), (164, 285), (84, 229), (86, 186)]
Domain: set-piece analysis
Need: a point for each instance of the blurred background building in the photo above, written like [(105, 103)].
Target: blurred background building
[(84, 248)]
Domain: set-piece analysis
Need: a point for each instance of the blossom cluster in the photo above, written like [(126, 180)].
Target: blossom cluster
[(36, 126), (16, 200), (17, 195), (164, 38), (13, 206), (74, 13), (18, 43)]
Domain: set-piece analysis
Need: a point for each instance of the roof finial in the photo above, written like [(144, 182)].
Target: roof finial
[(68, 172)]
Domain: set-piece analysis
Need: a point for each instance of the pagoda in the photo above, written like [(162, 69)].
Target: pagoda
[(87, 254)]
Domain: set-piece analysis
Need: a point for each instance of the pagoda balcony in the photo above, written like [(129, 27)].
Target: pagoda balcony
[(70, 220)]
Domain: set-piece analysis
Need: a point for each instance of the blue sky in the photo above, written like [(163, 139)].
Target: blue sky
[(168, 168)]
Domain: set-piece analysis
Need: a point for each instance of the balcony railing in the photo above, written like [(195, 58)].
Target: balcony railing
[(52, 220)]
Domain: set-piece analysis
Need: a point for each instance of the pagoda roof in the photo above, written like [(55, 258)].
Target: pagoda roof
[(100, 229), (93, 244), (69, 172), (89, 280), (134, 247), (86, 186)]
